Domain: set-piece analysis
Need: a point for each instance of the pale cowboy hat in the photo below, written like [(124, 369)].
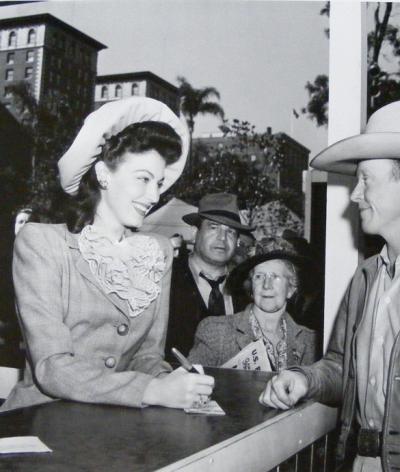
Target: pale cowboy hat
[(108, 121), (380, 140), (221, 208)]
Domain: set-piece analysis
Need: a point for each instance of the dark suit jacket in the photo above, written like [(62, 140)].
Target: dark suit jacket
[(187, 308), (218, 339)]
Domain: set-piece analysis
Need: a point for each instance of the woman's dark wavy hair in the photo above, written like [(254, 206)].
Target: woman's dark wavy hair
[(135, 138)]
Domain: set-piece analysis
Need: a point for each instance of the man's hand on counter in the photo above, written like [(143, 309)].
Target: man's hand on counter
[(284, 390)]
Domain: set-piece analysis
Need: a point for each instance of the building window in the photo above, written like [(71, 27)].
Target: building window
[(32, 36), (29, 56), (28, 72), (118, 91), (10, 58), (104, 92), (134, 89), (12, 39), (72, 49), (9, 74)]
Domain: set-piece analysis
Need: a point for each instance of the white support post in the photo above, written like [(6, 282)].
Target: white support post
[(347, 117)]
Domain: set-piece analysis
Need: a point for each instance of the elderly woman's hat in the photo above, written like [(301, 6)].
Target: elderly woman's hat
[(380, 140), (108, 121), (221, 208), (267, 249)]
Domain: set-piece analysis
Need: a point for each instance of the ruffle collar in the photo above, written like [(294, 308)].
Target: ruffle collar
[(132, 268)]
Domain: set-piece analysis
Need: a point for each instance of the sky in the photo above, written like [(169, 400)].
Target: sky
[(257, 54)]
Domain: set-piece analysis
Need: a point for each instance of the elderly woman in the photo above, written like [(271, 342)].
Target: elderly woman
[(271, 276), (92, 295)]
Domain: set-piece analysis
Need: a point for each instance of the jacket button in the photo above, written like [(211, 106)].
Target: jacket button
[(122, 329), (110, 362)]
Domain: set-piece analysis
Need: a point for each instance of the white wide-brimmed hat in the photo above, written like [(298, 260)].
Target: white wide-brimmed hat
[(380, 140), (108, 121)]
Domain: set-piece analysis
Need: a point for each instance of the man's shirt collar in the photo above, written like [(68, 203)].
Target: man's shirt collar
[(195, 267), (383, 259)]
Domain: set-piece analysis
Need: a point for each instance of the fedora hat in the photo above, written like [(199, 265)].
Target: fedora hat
[(267, 249), (219, 207), (380, 140), (108, 121)]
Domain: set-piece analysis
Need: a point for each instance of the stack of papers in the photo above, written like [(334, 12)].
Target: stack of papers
[(252, 357), (22, 444)]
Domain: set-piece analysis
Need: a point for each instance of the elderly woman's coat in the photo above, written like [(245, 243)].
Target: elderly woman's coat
[(219, 338)]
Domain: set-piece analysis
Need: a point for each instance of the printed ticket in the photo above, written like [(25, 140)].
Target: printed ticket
[(210, 408)]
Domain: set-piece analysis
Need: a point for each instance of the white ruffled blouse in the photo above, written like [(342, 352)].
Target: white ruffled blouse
[(131, 268)]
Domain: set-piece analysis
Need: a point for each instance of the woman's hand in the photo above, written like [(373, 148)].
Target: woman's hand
[(179, 389)]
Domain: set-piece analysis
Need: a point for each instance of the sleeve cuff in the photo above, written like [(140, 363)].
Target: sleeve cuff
[(311, 388)]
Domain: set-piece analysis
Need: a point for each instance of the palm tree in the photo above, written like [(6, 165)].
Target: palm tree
[(197, 101)]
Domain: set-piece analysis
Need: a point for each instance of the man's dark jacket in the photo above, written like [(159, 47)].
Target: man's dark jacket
[(187, 308)]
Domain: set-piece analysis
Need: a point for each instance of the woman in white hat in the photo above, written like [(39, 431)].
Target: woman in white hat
[(92, 295)]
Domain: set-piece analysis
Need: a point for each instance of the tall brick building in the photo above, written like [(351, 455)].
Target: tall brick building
[(144, 84), (295, 162), (51, 56)]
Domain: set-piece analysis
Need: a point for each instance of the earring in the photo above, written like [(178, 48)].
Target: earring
[(103, 184)]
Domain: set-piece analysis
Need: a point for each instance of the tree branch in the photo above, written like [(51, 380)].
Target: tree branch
[(380, 30)]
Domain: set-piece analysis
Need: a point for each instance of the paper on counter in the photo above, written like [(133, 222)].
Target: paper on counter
[(20, 444), (252, 357), (210, 408), (199, 368)]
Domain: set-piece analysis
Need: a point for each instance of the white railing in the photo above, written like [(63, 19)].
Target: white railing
[(269, 445)]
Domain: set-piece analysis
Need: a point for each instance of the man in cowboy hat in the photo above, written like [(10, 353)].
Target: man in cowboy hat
[(198, 281), (361, 368)]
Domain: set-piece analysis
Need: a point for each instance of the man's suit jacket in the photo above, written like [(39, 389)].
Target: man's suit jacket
[(187, 308), (76, 347)]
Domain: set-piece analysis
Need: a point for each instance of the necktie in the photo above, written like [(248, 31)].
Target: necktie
[(216, 305)]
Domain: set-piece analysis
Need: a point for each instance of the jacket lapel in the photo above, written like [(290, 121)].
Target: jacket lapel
[(244, 333), (200, 309), (295, 349)]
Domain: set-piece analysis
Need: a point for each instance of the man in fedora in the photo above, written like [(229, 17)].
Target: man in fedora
[(198, 280), (361, 368)]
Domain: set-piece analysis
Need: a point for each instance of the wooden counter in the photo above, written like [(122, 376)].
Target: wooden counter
[(101, 438)]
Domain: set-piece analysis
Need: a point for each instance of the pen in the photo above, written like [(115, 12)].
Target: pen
[(185, 363)]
